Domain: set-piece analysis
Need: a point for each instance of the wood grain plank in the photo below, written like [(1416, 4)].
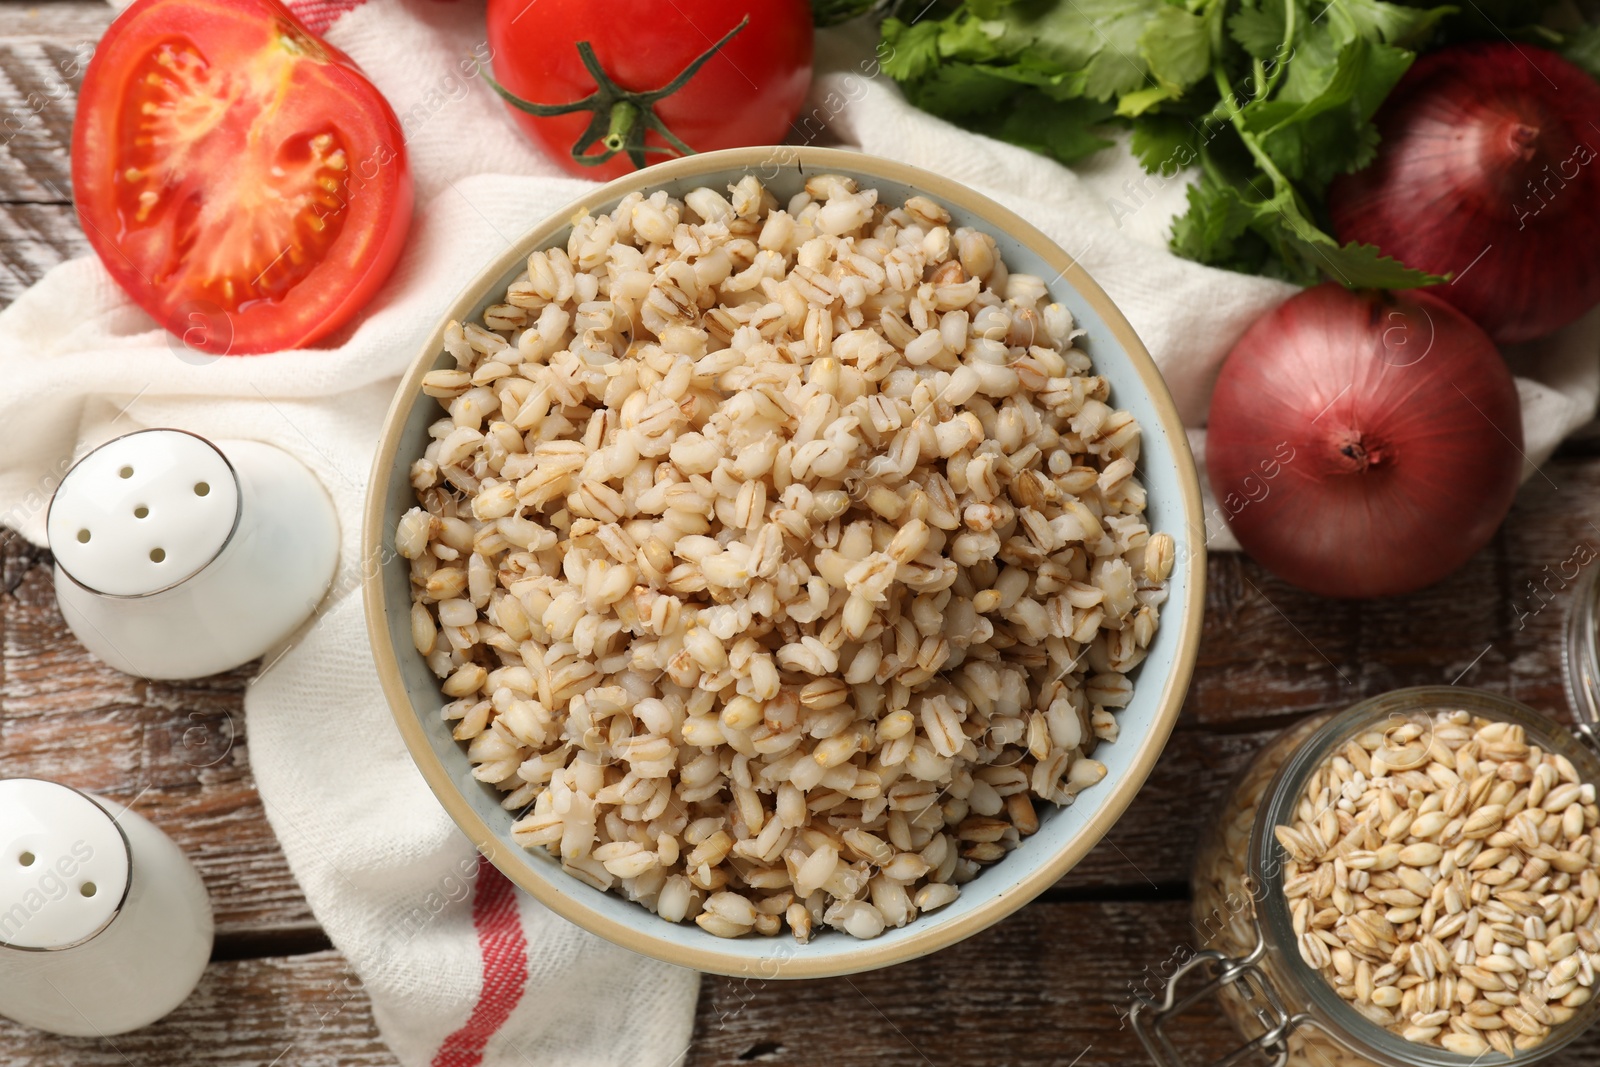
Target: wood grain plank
[(39, 78), (1552, 542), (43, 53), (176, 751), (308, 1011), (54, 19), (1270, 650), (34, 238), (1049, 986), (1151, 848)]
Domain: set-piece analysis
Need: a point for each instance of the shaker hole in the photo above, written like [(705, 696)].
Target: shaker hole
[(83, 537), (125, 472), (141, 512), (88, 889), (26, 859), (201, 488), (157, 555)]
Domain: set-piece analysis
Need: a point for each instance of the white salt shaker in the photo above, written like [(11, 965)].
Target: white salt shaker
[(104, 924), (177, 557)]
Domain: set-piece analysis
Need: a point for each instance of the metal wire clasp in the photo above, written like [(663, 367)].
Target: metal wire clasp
[(1580, 657), (1149, 1017)]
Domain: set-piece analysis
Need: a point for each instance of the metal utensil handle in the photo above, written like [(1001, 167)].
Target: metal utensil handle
[(1149, 1017)]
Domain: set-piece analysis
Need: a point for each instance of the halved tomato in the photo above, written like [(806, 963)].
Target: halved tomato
[(240, 178)]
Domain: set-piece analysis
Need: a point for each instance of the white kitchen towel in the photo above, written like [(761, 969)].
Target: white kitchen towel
[(460, 969)]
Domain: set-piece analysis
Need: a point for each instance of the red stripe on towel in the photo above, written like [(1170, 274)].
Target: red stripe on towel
[(505, 968), (318, 15)]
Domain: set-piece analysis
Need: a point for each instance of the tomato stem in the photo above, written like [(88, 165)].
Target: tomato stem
[(624, 114), (620, 118)]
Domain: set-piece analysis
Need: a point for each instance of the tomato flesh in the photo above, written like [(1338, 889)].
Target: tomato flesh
[(230, 164), (179, 141)]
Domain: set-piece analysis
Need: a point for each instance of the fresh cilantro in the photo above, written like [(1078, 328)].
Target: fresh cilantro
[(1584, 49), (1356, 265), (1217, 217), (1222, 220), (1394, 24), (1259, 30), (910, 52), (1099, 38), (1165, 144), (1271, 99), (1176, 46), (1066, 133), (1266, 117), (961, 91), (1315, 139)]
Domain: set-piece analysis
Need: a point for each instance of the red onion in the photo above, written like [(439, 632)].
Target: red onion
[(1487, 170), (1364, 444)]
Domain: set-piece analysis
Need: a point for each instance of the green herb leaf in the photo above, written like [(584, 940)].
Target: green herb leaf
[(1229, 225), (1259, 30), (1272, 99), (977, 41), (1217, 217), (1098, 37), (910, 52), (1408, 27), (1329, 133), (1165, 144), (1357, 266), (1584, 49), (1139, 101), (1177, 47), (961, 90), (1066, 132), (1266, 117)]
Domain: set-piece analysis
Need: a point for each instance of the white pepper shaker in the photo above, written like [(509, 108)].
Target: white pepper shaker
[(177, 557), (105, 926)]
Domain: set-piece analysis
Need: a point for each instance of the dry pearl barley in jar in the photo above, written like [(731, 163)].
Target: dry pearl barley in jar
[(1413, 881)]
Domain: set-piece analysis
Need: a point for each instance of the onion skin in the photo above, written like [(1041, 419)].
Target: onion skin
[(1488, 147), (1364, 444)]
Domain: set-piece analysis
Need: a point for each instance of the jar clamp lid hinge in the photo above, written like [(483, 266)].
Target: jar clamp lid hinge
[(1149, 1018), (1590, 734)]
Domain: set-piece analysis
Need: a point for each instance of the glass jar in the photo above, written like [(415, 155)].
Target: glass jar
[(1249, 958), (1580, 654)]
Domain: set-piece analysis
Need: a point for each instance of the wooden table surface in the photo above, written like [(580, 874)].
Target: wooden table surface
[(1047, 986)]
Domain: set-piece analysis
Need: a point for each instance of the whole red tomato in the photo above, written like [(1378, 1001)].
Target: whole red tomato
[(238, 176), (747, 92)]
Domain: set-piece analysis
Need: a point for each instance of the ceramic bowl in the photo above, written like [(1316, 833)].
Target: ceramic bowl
[(1065, 835)]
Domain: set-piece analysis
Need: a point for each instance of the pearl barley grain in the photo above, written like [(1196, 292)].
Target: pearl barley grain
[(779, 559), (1454, 877)]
